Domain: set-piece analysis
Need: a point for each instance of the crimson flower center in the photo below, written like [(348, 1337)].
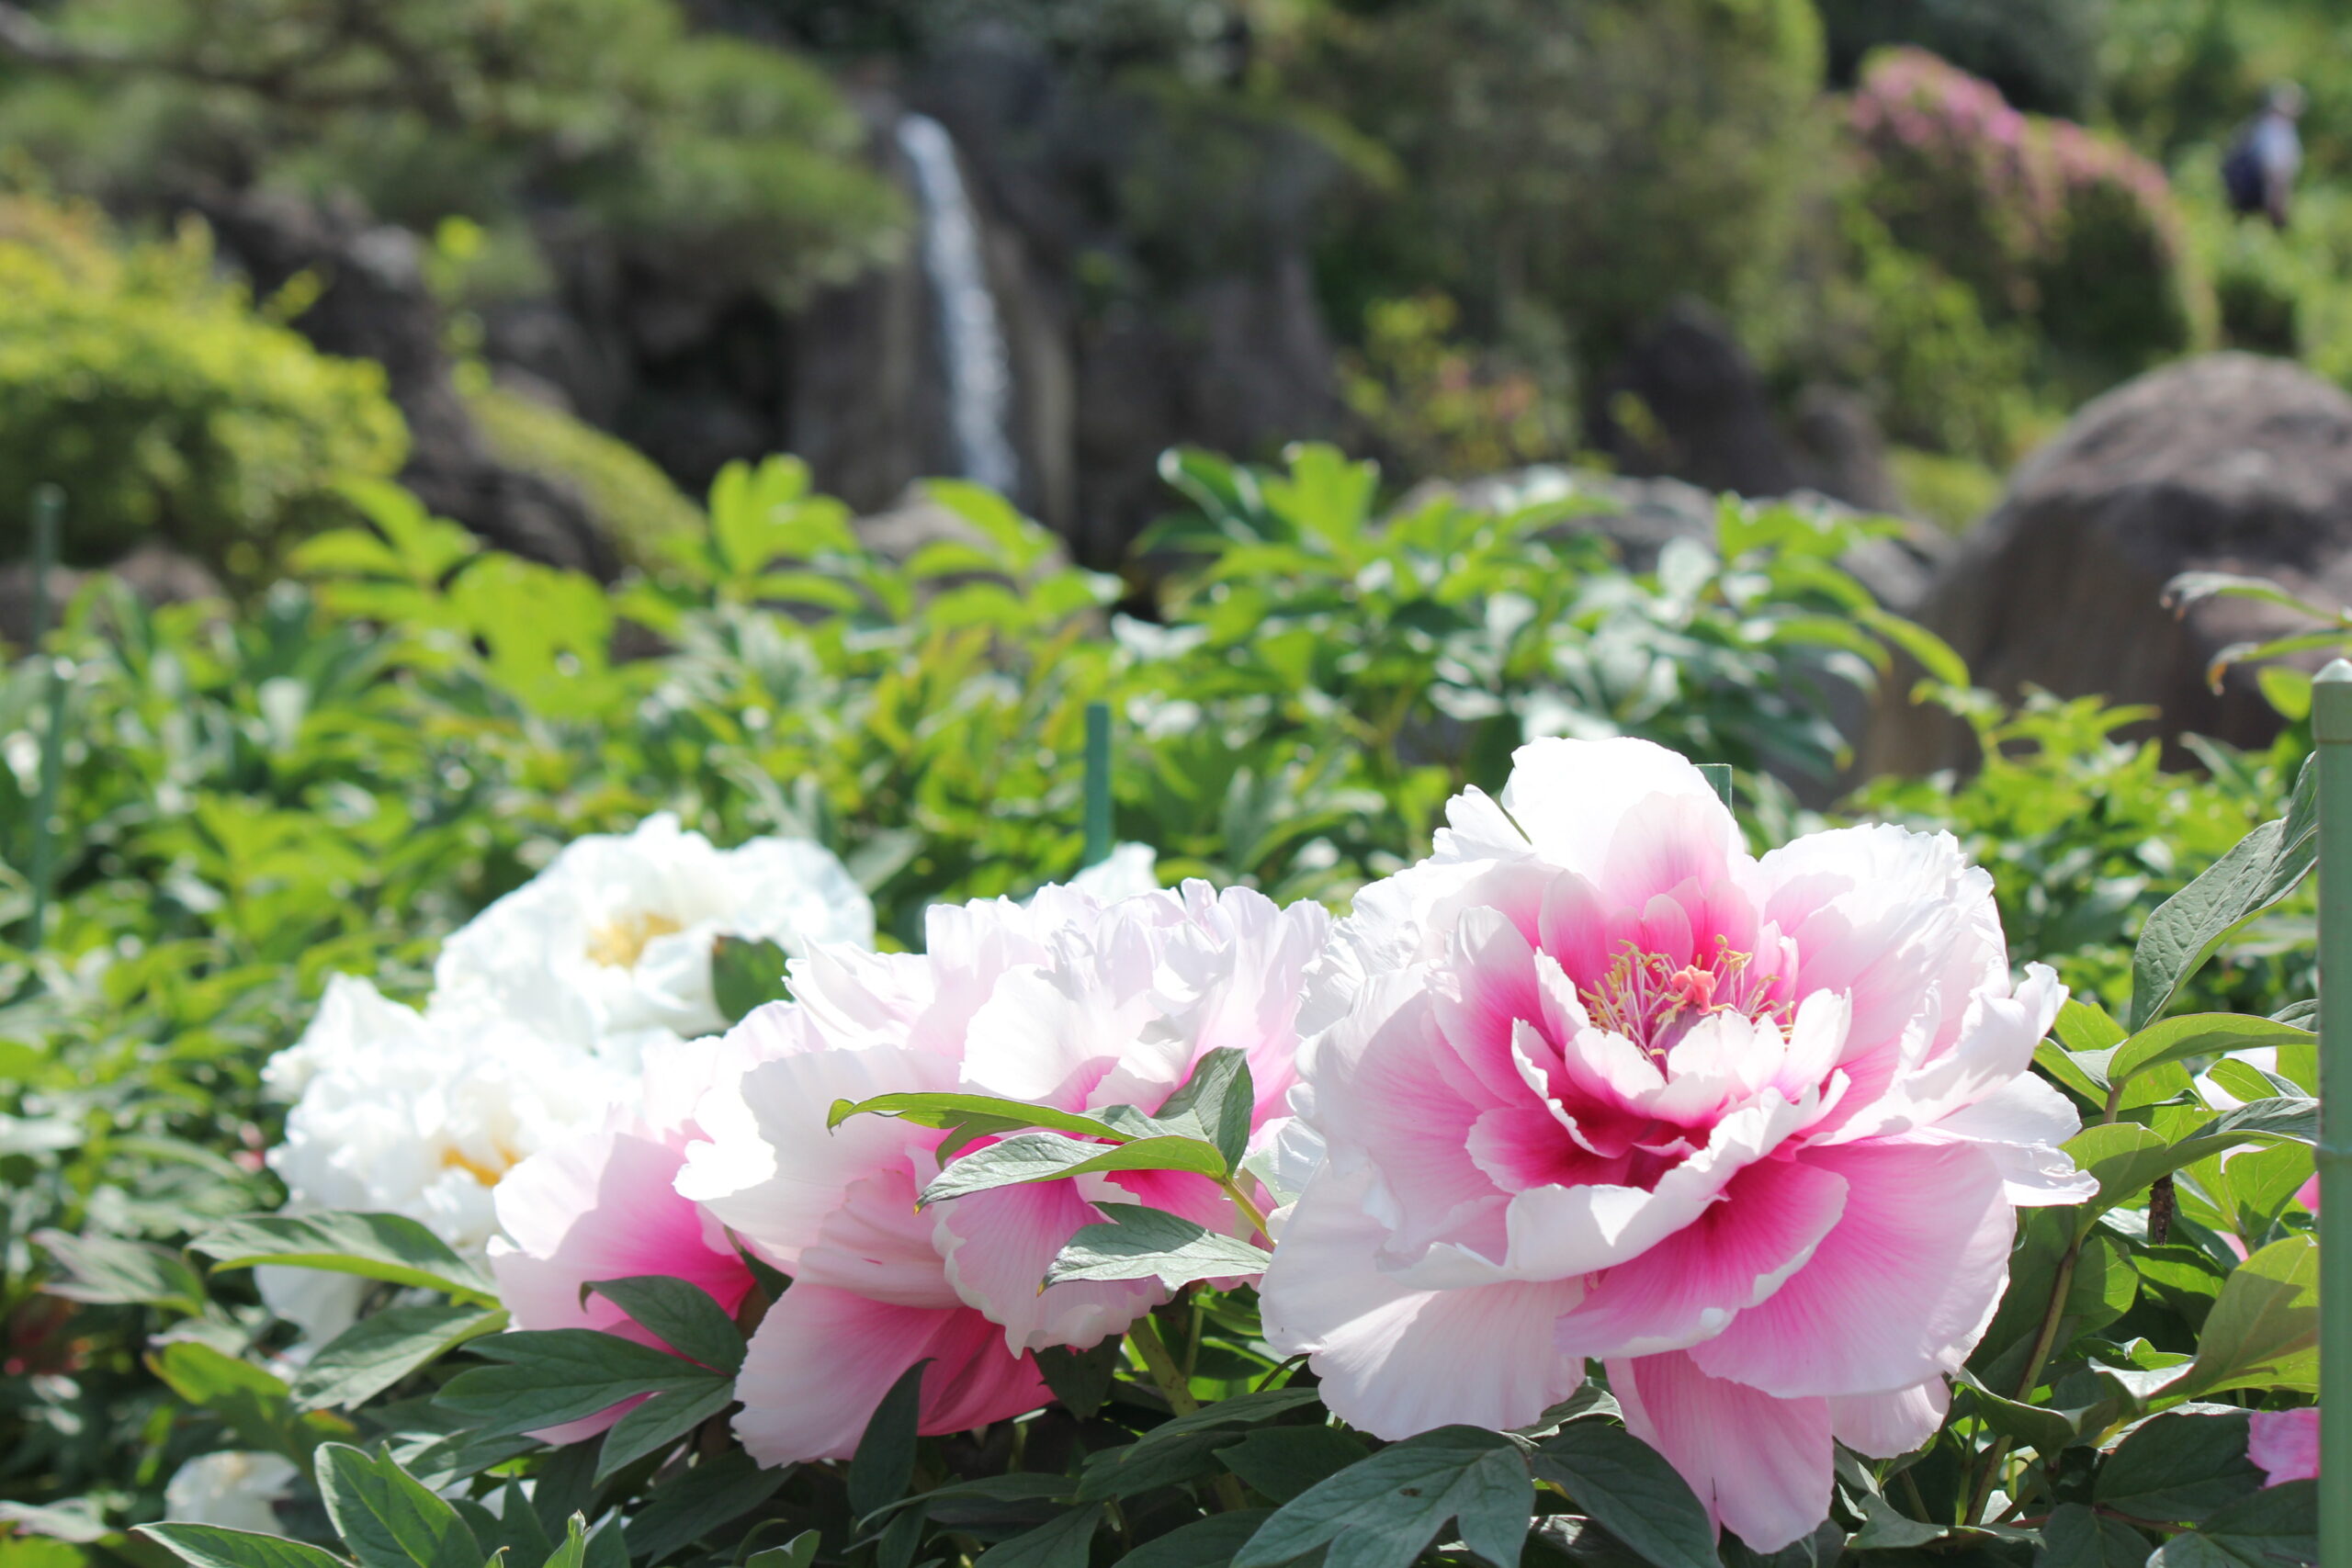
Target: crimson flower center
[(1654, 998)]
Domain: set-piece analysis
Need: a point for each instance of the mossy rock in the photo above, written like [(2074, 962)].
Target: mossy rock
[(633, 503)]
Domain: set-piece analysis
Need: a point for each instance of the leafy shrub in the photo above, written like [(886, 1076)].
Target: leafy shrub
[(2282, 293), (2048, 222), (736, 157), (1594, 162), (2042, 54), (1443, 407), (163, 402), (633, 503)]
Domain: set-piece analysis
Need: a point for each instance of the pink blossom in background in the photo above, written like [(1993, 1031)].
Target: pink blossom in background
[(602, 1206), (1750, 1132), (1065, 1002), (2285, 1443)]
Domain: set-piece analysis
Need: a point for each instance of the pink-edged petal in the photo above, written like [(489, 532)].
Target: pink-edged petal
[(1885, 1425), (601, 1207), (1524, 1148), (2020, 1125), (1564, 1232), (1898, 1292), (1395, 1362), (2285, 1443), (998, 1246), (768, 1166), (1487, 986), (1391, 1092), (1573, 800), (1573, 929), (877, 1246), (1762, 1467), (822, 1358), (1688, 1288)]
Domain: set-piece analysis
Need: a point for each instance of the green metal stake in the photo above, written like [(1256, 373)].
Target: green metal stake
[(2331, 728), (48, 506), (1719, 775), (1098, 784)]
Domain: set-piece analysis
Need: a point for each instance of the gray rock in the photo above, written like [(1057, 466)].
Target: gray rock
[(2227, 463)]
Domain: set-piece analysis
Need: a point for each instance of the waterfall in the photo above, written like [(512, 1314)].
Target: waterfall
[(971, 339)]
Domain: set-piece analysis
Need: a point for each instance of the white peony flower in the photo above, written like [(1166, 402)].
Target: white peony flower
[(610, 946), (416, 1116), (232, 1490)]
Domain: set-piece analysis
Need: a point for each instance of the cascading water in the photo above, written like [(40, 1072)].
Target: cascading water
[(971, 339)]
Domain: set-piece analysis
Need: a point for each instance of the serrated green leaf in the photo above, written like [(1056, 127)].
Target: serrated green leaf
[(1049, 1156), (1631, 1491), (1221, 1098), (1386, 1511), (385, 1347), (375, 1246), (213, 1546), (387, 1519), (1136, 1242), (681, 1316)]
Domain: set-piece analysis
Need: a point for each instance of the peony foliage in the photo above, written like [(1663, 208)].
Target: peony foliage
[(1590, 1187)]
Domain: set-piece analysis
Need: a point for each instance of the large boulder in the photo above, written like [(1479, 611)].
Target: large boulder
[(2227, 463)]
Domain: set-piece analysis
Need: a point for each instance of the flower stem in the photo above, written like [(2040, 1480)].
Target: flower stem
[(1249, 1211), (2044, 1343), (1145, 1337)]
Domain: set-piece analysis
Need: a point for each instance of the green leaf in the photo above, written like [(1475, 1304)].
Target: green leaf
[(2044, 1429), (1386, 1511), (1136, 1467), (2188, 927), (660, 1421), (745, 972), (951, 1110), (1203, 1543), (104, 1269), (2198, 1034), (1048, 1156), (1631, 1491), (387, 1519), (254, 1402), (1241, 1410), (1136, 1242), (681, 1316), (1931, 652), (385, 1347), (375, 1246), (1080, 1379), (2074, 1537), (689, 1507), (212, 1546), (2277, 1525), (800, 1551), (551, 1376), (1060, 1543), (1221, 1099), (1886, 1527), (2178, 1468), (574, 1552), (1280, 1462), (884, 1465), (2264, 1330)]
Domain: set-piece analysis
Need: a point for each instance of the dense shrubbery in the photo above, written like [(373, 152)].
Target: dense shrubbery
[(165, 402), (2049, 223), (334, 782)]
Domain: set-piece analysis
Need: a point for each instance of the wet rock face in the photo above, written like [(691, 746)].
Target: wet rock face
[(2227, 463)]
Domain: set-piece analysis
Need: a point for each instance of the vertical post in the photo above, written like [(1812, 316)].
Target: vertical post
[(1098, 784), (2331, 728), (48, 503)]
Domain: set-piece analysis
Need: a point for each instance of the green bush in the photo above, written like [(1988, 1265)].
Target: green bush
[(633, 503), (2051, 225), (1594, 161), (738, 159), (165, 404), (2042, 54)]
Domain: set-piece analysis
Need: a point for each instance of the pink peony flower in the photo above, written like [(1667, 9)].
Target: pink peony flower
[(2285, 1443), (602, 1206), (1065, 1002), (1750, 1132)]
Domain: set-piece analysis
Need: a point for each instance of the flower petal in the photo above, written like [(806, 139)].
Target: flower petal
[(1762, 1467), (998, 1246)]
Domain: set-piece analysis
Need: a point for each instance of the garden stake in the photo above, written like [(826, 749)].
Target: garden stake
[(1719, 775), (48, 502), (1098, 784), (2331, 728)]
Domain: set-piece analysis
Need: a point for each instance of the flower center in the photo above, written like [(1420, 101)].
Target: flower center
[(619, 943), (458, 1159), (1654, 1000)]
